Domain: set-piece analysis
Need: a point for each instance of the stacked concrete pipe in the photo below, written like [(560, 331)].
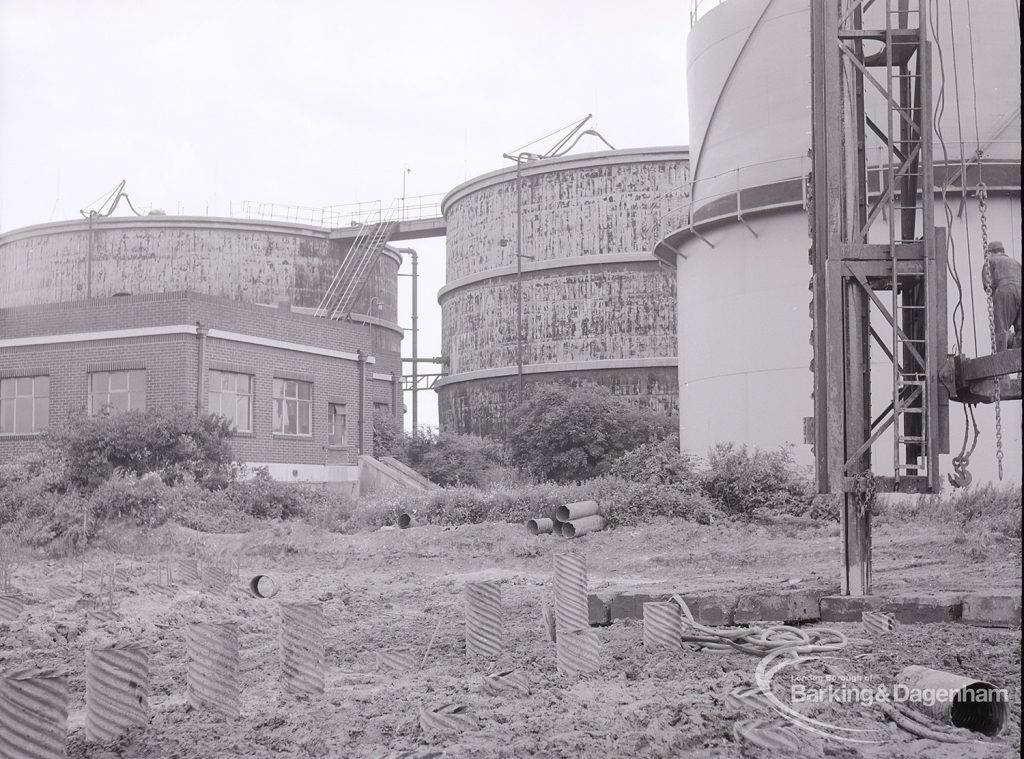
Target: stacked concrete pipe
[(579, 518), (569, 521)]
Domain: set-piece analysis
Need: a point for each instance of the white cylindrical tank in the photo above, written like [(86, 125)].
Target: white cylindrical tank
[(743, 269)]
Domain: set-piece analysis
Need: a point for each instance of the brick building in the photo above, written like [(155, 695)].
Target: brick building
[(300, 390)]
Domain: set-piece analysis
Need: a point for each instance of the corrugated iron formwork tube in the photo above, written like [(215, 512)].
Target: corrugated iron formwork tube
[(510, 683), (556, 527), (404, 521), (971, 704), (539, 526), (663, 628), (116, 691), (483, 619), (33, 714), (11, 607), (397, 660), (213, 668), (570, 589), (101, 616), (582, 526), (878, 622), (302, 647), (578, 652), (577, 510), (450, 718), (188, 570), (215, 579)]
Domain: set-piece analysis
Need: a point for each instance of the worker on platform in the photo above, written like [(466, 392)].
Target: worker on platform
[(1003, 275)]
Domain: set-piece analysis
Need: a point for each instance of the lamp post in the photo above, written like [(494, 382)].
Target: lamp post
[(404, 175)]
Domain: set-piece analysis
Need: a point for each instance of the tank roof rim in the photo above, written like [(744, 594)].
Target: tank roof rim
[(653, 154)]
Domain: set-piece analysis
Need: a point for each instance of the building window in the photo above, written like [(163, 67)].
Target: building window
[(24, 405), (112, 392), (230, 396), (293, 408), (337, 424)]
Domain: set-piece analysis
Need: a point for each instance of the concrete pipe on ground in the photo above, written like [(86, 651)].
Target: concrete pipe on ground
[(578, 527), (578, 510)]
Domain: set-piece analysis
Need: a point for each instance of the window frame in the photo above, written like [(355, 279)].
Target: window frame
[(221, 393), (332, 415), (108, 407), (280, 404), (34, 428)]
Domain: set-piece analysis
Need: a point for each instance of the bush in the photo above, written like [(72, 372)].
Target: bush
[(658, 463), (388, 437), (174, 444), (744, 480), (568, 434), (452, 460)]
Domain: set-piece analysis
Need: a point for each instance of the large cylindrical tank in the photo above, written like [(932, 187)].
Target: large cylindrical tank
[(252, 261), (596, 305), (742, 282)]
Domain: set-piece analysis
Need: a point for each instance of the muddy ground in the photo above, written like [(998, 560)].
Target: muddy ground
[(393, 589)]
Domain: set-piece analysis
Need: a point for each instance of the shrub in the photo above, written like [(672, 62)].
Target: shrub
[(175, 444), (452, 460), (388, 437), (744, 480), (658, 463), (566, 433)]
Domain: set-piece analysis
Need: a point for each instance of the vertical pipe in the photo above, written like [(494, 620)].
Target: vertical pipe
[(415, 335), (88, 260), (116, 691), (362, 401), (200, 366), (33, 714), (519, 276)]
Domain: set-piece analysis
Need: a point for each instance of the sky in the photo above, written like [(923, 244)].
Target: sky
[(201, 106)]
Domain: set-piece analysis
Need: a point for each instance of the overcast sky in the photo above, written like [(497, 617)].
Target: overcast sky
[(201, 106)]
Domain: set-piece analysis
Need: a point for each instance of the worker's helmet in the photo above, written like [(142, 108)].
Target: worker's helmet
[(996, 247)]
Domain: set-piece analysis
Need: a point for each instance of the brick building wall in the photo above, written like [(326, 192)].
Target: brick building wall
[(225, 336)]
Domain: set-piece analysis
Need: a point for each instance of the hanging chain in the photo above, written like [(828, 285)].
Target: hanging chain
[(866, 489), (986, 277), (961, 477)]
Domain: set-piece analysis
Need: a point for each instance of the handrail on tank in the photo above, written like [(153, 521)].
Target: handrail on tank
[(699, 7), (703, 191)]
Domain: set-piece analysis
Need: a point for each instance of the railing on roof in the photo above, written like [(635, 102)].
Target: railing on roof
[(349, 214), (699, 7)]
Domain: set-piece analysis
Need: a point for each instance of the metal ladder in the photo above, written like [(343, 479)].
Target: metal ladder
[(909, 287), (350, 279)]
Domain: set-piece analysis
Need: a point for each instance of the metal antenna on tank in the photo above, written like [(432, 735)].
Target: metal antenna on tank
[(112, 200), (521, 155)]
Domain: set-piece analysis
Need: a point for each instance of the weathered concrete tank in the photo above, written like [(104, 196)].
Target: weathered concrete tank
[(596, 304), (252, 261), (743, 264)]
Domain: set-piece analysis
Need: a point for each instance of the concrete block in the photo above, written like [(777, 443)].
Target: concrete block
[(836, 608), (919, 609), (985, 610), (713, 610), (758, 607), (629, 604), (599, 609), (805, 603)]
